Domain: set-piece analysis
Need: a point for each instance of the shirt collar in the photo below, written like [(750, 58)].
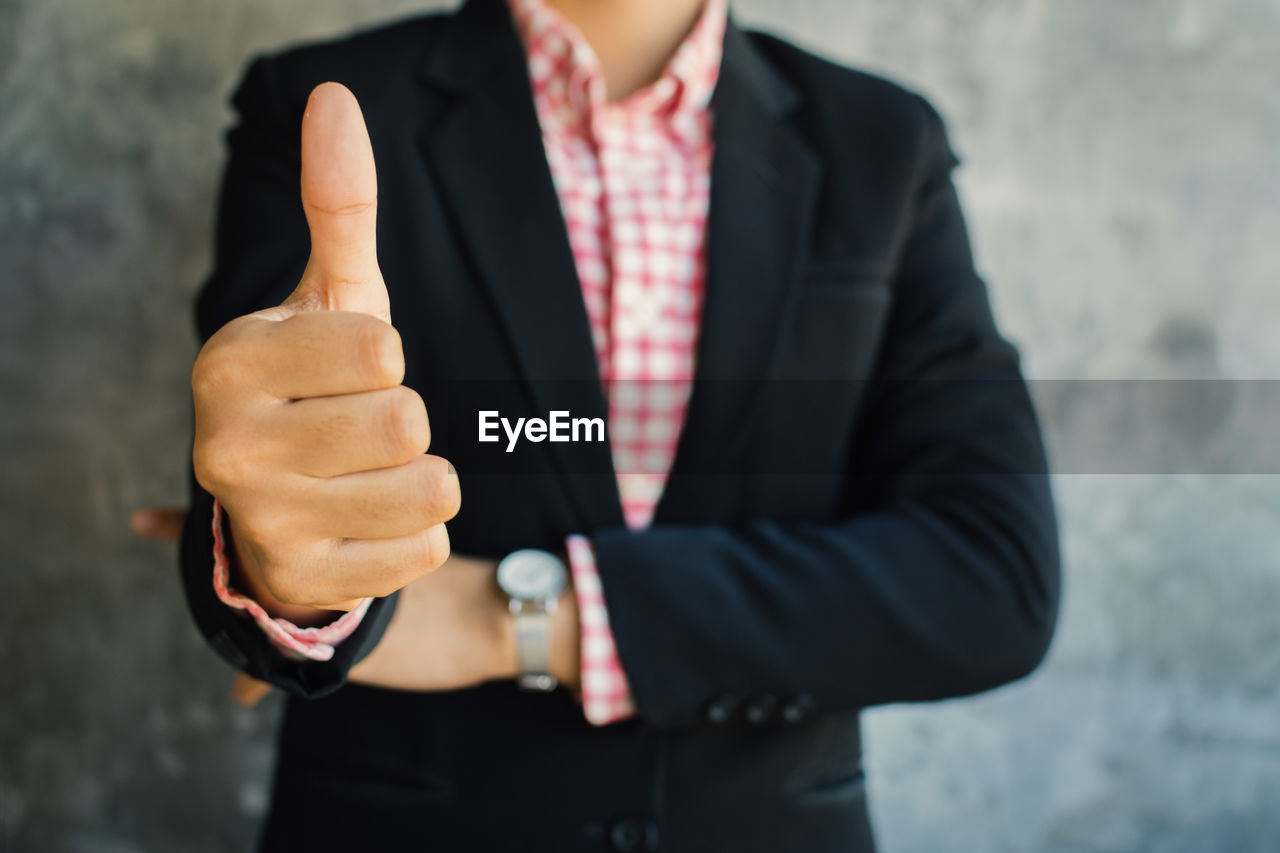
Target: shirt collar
[(569, 86)]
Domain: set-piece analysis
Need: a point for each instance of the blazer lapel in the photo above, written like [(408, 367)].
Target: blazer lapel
[(487, 154), (764, 182)]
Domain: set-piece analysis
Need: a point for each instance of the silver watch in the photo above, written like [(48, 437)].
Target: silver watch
[(532, 581)]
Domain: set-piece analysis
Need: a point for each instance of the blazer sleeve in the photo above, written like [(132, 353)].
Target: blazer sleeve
[(261, 248), (941, 581)]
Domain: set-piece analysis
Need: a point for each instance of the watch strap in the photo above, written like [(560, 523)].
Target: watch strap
[(533, 643)]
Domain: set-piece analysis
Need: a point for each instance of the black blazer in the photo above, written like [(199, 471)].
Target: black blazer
[(858, 512)]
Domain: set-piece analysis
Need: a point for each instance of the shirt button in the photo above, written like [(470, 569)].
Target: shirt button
[(633, 834)]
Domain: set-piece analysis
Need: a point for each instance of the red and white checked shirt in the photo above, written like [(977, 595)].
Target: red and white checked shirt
[(633, 179)]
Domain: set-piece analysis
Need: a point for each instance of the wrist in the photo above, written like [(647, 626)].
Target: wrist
[(539, 634), (245, 577), (565, 664), (504, 655)]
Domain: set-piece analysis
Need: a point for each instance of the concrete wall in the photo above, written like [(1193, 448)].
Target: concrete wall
[(1123, 180)]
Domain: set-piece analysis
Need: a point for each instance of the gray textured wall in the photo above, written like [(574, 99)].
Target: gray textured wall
[(1123, 181)]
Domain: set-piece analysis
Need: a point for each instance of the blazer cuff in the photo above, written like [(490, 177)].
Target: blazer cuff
[(315, 643), (606, 694), (239, 640)]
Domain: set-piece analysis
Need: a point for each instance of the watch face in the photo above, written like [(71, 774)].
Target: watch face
[(531, 574)]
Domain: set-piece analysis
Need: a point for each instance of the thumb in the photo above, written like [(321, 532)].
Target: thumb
[(340, 198)]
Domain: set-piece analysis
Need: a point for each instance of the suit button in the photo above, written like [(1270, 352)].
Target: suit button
[(721, 709), (798, 709), (634, 834), (760, 709)]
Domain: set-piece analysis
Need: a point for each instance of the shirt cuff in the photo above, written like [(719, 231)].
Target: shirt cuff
[(606, 695), (297, 643)]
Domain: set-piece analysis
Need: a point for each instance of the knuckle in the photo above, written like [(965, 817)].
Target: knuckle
[(219, 466), (255, 532), (285, 584), (419, 555), (212, 371), (207, 467), (220, 364), (448, 493), (428, 551), (441, 497), (342, 209), (406, 421), (270, 529), (289, 578), (436, 547), (381, 353)]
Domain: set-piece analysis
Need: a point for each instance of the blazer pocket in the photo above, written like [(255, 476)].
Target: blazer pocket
[(836, 326), (834, 785)]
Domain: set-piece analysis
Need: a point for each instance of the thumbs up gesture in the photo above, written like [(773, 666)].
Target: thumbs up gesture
[(304, 431)]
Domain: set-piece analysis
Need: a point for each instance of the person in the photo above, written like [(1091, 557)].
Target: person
[(822, 487)]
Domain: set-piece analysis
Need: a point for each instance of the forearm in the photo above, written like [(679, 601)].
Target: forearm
[(452, 629), (941, 581), (895, 606)]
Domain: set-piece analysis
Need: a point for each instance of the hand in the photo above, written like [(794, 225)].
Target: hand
[(304, 432), (451, 630), (160, 523)]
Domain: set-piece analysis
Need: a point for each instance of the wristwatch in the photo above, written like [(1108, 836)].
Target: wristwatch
[(532, 581)]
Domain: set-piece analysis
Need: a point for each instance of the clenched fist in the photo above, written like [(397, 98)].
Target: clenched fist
[(304, 431)]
